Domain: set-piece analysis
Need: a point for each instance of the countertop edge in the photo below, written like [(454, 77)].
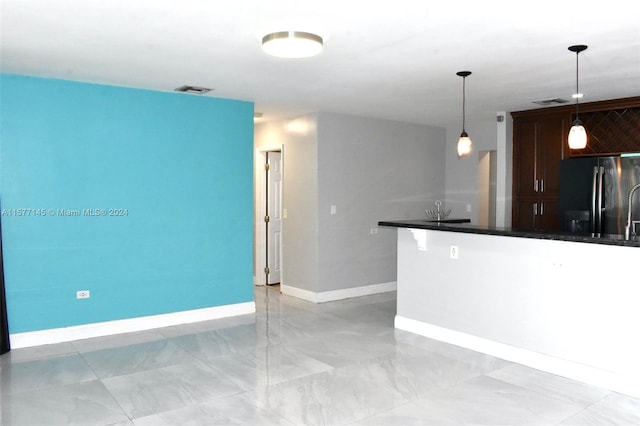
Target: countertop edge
[(505, 232)]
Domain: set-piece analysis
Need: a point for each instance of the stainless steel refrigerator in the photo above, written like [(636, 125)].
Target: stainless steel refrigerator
[(594, 194)]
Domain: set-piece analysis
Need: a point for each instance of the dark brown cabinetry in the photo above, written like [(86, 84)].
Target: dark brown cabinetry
[(540, 143), (537, 150), (536, 214)]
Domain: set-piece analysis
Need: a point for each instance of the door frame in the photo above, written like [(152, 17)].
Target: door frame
[(260, 244)]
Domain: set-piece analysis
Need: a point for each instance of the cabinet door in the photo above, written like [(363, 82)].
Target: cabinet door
[(525, 214), (548, 215), (525, 172), (550, 141), (535, 214)]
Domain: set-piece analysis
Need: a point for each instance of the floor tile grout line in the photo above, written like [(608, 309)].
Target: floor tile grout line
[(113, 397)]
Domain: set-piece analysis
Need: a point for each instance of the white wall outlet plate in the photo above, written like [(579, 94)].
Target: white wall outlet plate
[(83, 294), (454, 252)]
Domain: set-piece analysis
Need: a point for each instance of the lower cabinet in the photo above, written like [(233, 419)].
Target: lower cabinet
[(536, 214)]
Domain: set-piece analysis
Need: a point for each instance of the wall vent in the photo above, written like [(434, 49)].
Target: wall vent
[(193, 89), (554, 101)]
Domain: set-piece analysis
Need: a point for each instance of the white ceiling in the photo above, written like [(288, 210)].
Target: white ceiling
[(387, 59)]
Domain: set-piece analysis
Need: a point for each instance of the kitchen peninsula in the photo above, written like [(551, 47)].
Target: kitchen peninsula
[(564, 304)]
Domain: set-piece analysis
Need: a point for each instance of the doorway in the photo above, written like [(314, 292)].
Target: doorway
[(273, 223), (487, 179), (270, 216)]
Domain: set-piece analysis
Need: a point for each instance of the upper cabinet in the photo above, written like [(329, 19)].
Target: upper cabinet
[(538, 147), (537, 150), (540, 143)]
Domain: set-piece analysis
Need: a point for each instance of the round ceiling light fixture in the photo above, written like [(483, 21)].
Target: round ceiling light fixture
[(292, 44)]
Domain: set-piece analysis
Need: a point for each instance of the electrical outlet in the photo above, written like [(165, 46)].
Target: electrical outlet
[(454, 252), (83, 294)]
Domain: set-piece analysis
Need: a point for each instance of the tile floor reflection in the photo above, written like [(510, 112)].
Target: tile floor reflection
[(292, 363)]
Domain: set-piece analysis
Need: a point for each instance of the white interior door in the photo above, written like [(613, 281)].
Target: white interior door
[(274, 211)]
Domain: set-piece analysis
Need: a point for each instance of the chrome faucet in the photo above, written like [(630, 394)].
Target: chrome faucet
[(627, 229)]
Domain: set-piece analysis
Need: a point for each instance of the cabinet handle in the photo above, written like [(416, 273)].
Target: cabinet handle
[(541, 209), (535, 209), (535, 186), (541, 185)]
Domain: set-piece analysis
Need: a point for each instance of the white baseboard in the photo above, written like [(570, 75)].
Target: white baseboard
[(66, 334), (617, 382), (328, 296)]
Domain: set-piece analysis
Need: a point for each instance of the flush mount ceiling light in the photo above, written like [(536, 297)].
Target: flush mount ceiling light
[(292, 44), (577, 134), (464, 143)]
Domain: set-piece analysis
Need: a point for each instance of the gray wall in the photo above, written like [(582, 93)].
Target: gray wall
[(371, 170)]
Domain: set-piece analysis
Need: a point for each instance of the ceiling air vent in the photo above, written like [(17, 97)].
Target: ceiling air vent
[(193, 89), (549, 102)]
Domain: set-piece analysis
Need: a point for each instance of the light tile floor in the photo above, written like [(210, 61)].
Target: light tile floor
[(292, 363)]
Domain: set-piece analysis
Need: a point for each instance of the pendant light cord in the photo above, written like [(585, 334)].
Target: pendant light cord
[(464, 79), (577, 87), (577, 49)]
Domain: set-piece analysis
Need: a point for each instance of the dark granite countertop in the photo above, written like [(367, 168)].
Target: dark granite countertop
[(616, 240)]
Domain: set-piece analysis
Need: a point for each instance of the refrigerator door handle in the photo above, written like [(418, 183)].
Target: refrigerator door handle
[(599, 204), (594, 195)]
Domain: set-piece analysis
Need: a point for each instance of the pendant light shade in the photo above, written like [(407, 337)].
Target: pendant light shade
[(465, 145), (577, 134), (292, 44)]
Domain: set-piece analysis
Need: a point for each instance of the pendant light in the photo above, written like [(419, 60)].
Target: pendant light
[(464, 143), (577, 134)]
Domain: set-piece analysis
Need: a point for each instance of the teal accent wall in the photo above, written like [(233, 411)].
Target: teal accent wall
[(175, 168)]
